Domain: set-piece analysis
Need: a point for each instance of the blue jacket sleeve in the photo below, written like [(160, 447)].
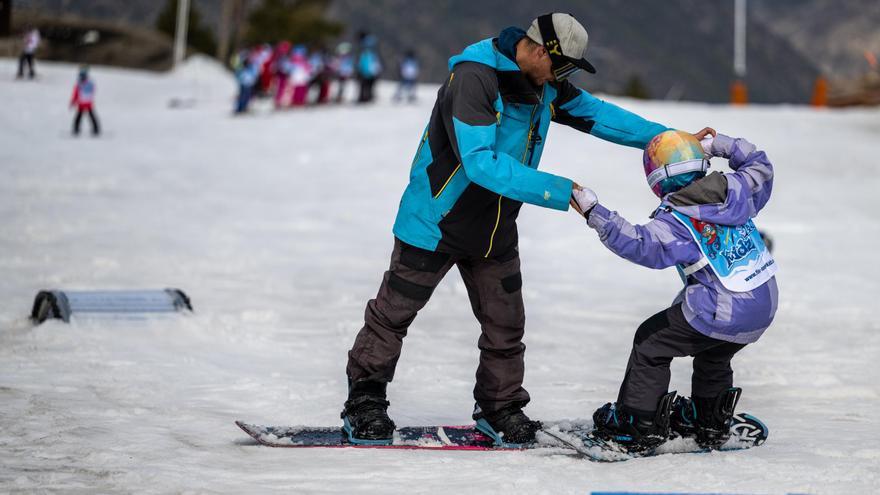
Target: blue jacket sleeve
[(473, 119), (505, 175), (579, 109), (657, 244)]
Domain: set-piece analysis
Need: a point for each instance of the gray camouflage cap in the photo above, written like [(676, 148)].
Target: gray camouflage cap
[(565, 40)]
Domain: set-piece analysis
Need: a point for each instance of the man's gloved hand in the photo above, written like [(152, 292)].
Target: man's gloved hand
[(583, 200)]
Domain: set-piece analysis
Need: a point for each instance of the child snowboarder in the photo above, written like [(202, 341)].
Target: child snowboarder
[(703, 227), (83, 98)]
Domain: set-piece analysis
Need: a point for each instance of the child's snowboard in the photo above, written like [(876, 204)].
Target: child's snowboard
[(746, 431)]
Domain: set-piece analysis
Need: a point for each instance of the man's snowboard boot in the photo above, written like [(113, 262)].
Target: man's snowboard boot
[(365, 418), (508, 426), (705, 419), (633, 432)]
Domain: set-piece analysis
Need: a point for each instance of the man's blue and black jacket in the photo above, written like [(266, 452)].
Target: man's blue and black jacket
[(478, 157)]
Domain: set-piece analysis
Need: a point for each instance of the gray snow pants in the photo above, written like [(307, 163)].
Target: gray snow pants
[(494, 288), (662, 337)]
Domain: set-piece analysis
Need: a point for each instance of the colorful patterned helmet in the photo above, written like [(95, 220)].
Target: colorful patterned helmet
[(670, 154)]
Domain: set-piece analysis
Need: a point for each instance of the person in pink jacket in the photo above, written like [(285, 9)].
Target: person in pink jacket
[(281, 71), (300, 75)]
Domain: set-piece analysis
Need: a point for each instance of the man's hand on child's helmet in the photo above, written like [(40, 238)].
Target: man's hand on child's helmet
[(705, 131), (583, 199)]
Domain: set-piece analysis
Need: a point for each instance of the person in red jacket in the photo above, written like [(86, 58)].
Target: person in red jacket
[(83, 98)]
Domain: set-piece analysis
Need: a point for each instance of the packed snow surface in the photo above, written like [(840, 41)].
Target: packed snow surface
[(278, 226)]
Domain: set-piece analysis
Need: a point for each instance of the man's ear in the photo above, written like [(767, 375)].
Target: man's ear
[(542, 51)]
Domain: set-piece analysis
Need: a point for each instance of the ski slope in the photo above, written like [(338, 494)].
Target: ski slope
[(278, 226)]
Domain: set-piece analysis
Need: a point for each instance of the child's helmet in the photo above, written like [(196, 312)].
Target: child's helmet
[(673, 159)]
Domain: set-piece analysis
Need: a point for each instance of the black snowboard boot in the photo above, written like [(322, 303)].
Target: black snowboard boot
[(705, 419), (365, 417), (508, 425), (632, 431), (683, 420)]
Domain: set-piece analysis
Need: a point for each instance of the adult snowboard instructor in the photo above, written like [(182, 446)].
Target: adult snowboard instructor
[(475, 167)]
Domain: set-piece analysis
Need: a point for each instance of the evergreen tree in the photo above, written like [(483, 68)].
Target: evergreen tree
[(298, 21), (198, 36)]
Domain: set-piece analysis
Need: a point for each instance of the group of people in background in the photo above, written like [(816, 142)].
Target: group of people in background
[(295, 76), (291, 75)]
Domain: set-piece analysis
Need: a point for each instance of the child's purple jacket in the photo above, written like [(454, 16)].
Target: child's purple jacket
[(725, 199)]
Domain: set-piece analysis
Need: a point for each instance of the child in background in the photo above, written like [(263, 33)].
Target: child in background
[(409, 76), (343, 68), (84, 98), (247, 76), (704, 227), (300, 75), (321, 76), (369, 67), (281, 69)]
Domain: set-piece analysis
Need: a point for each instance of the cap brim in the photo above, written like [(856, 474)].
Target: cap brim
[(583, 64)]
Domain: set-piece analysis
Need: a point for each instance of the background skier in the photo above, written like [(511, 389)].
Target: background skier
[(248, 76), (369, 67), (321, 75), (30, 43), (84, 100), (300, 75), (281, 69), (343, 68), (409, 76)]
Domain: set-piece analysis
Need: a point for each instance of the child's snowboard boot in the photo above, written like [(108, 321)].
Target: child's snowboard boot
[(634, 433), (705, 419)]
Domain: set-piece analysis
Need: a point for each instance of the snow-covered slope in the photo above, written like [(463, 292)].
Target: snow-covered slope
[(278, 227)]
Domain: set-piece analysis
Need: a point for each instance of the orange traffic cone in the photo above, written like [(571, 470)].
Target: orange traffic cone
[(820, 93), (739, 94)]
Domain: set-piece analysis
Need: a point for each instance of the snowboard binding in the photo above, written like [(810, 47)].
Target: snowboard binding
[(709, 420), (512, 428), (365, 418), (615, 424)]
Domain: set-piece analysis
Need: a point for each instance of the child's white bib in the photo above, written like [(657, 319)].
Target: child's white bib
[(736, 254)]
